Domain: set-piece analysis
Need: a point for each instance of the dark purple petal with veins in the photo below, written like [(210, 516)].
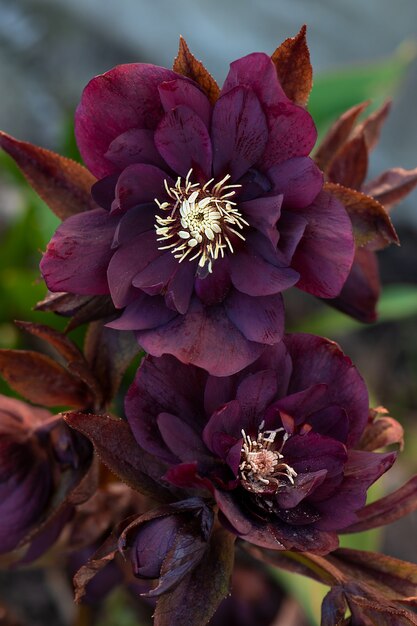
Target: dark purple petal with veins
[(183, 141), (127, 261), (263, 214), (260, 319), (317, 361), (291, 134), (143, 313), (123, 98), (78, 255), (179, 92), (196, 337), (299, 180), (257, 72), (255, 276), (239, 133), (325, 254), (140, 183), (136, 145)]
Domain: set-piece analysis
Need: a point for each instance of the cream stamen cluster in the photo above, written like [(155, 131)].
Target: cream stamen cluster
[(260, 466), (201, 222)]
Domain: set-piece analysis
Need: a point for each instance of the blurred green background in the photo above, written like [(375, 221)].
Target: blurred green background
[(385, 353)]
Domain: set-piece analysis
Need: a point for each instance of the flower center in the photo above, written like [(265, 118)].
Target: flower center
[(201, 221), (261, 469)]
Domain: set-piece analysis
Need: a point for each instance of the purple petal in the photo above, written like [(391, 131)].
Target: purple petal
[(291, 229), (180, 288), (316, 361), (138, 184), (289, 496), (156, 275), (181, 438), (227, 421), (325, 254), (218, 391), (163, 385), (332, 422), (103, 191), (136, 145), (260, 319), (253, 275), (200, 337), (257, 72), (183, 141), (291, 134), (77, 256), (127, 261), (134, 222), (263, 214), (214, 288), (362, 469), (360, 293), (239, 133), (125, 97), (254, 394), (152, 543), (143, 313), (312, 452), (299, 405), (180, 92), (298, 179)]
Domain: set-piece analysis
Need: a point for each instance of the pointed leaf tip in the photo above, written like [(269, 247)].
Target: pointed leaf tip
[(63, 184), (186, 64), (292, 62)]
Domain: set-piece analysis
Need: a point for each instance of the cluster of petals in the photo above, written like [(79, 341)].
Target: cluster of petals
[(36, 449), (206, 212), (302, 407)]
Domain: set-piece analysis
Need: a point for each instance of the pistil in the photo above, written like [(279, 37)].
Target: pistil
[(202, 222)]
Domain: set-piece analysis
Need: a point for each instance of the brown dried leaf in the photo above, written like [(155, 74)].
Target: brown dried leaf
[(292, 62), (186, 64), (62, 183), (392, 186), (350, 165), (41, 380), (338, 134), (119, 451), (370, 221), (371, 127), (394, 578), (109, 353), (381, 431), (62, 344)]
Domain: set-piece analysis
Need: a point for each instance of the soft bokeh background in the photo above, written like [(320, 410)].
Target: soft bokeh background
[(49, 49)]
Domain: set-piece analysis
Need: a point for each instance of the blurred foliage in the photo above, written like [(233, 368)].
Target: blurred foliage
[(27, 233), (334, 92)]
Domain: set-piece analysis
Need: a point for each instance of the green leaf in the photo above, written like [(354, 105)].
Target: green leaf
[(334, 92)]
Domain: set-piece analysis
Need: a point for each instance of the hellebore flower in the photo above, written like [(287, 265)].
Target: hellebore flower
[(36, 449), (274, 445), (209, 209)]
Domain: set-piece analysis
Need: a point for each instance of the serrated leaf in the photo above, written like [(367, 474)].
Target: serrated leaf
[(370, 221), (62, 183), (392, 186), (292, 62), (41, 380), (186, 64), (119, 451)]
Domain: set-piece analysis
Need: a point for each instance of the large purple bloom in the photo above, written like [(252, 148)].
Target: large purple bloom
[(275, 445), (207, 212)]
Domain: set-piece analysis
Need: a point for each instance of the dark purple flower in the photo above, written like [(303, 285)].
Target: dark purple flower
[(208, 212), (275, 445), (36, 450)]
